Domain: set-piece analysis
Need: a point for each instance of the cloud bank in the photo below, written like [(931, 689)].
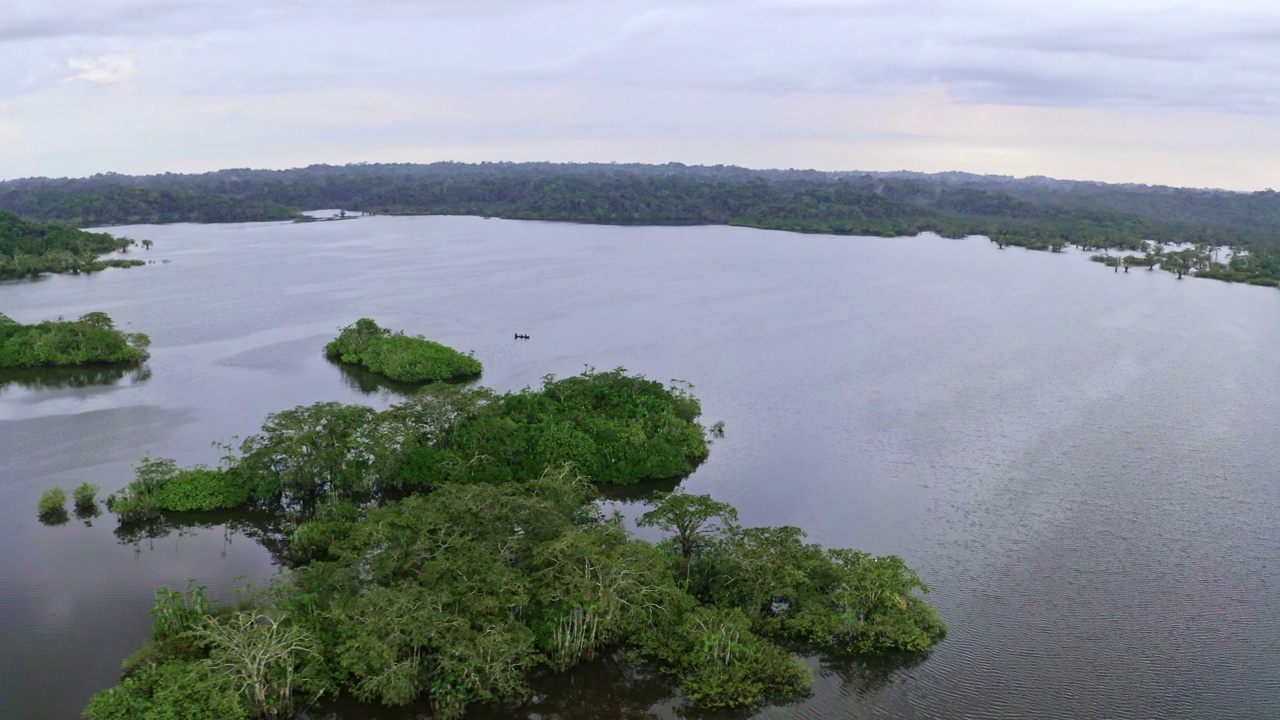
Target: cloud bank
[(1160, 92)]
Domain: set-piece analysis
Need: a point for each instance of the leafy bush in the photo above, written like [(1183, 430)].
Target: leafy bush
[(85, 495), (176, 690), (721, 663), (399, 356), (201, 489), (53, 503), (160, 486)]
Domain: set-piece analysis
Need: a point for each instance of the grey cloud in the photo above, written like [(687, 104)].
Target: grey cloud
[(503, 70), (1070, 53)]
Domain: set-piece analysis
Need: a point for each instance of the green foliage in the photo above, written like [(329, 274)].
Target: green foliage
[(1034, 213), (264, 658), (239, 662), (687, 516), (595, 585), (201, 489), (616, 428), (841, 600), (399, 356), (176, 613), (30, 248), (135, 205), (456, 596), (86, 495), (159, 485), (434, 561), (306, 454), (90, 340), (52, 505), (176, 690), (721, 663)]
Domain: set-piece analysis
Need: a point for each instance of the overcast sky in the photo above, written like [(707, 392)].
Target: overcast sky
[(1183, 93)]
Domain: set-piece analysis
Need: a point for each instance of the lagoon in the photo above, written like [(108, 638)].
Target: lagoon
[(1080, 463)]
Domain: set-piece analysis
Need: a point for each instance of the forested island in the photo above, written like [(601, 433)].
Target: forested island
[(400, 357), (1037, 213), (91, 340), (448, 548), (29, 248)]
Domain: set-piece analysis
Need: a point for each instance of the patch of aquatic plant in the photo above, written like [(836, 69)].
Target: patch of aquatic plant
[(86, 497), (52, 506)]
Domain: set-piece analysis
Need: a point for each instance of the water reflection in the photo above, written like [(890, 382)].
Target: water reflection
[(77, 377), (54, 518), (86, 513), (610, 687), (864, 676), (263, 528), (634, 693), (371, 383), (640, 493)]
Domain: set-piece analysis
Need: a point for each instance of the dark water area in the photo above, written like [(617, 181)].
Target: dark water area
[(1082, 464)]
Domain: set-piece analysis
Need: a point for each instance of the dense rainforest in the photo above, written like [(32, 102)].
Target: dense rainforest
[(91, 340), (29, 248), (1037, 213), (446, 549), (139, 205)]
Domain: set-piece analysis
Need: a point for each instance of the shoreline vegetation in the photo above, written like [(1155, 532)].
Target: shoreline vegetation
[(29, 249), (400, 357), (1035, 213), (92, 340), (446, 549)]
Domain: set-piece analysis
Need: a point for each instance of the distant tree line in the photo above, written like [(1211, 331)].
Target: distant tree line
[(1037, 213), (137, 205)]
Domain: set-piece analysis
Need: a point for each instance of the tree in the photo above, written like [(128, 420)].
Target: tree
[(690, 518), (98, 320), (147, 244), (594, 585), (1181, 262), (260, 655), (303, 455)]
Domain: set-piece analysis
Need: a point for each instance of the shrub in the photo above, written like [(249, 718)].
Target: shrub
[(160, 485), (85, 496), (53, 502), (176, 690), (201, 489), (721, 663)]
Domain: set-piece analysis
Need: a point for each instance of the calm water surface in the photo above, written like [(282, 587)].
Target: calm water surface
[(1082, 464)]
